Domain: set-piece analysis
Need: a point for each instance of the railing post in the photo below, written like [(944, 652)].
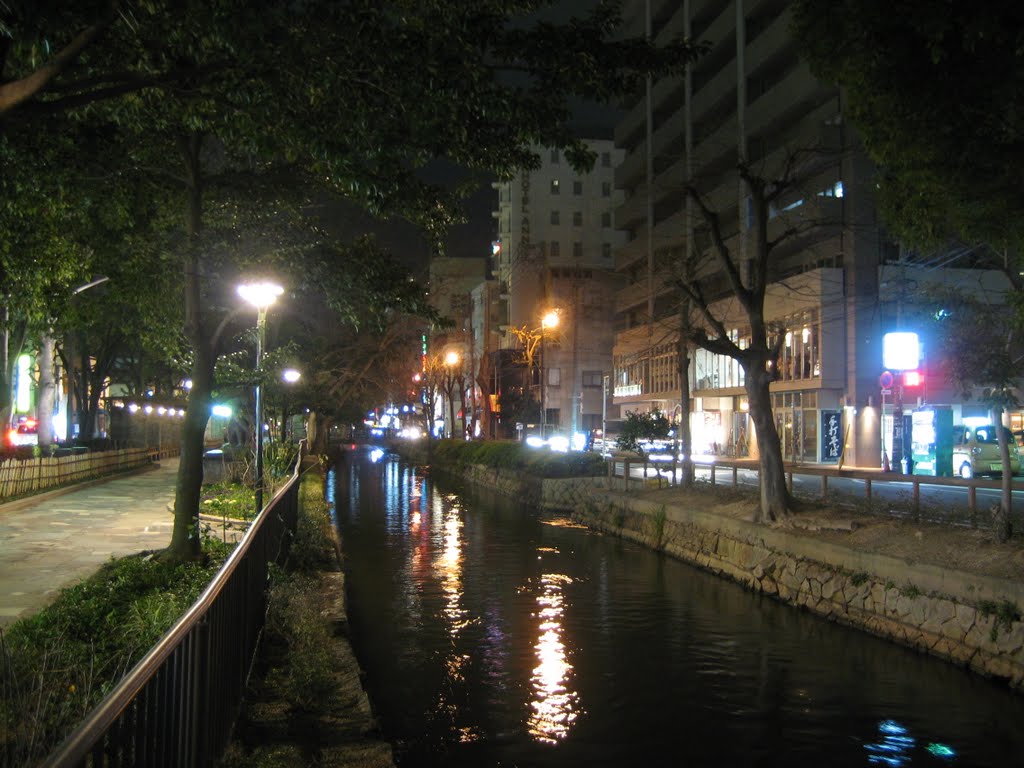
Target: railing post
[(972, 504), (824, 487), (917, 501), (200, 670)]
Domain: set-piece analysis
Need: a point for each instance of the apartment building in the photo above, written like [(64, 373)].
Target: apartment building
[(555, 253), (834, 277)]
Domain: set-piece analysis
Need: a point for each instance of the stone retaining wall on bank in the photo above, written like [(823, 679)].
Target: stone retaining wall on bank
[(966, 618)]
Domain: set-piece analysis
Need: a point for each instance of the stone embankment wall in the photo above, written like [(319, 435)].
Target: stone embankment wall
[(969, 619)]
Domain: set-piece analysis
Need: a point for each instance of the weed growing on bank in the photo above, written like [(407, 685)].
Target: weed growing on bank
[(56, 665)]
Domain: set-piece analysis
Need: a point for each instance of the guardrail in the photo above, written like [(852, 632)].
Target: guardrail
[(671, 471), (178, 705)]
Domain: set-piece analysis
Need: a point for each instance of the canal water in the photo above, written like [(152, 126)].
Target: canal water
[(495, 635)]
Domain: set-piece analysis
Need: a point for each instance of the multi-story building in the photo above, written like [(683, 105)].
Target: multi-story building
[(751, 101), (556, 253)]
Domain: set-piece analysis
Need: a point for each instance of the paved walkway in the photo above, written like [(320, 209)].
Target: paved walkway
[(55, 540)]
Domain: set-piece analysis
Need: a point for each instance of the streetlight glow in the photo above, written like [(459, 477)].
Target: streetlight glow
[(260, 295), (452, 358), (290, 375), (550, 320)]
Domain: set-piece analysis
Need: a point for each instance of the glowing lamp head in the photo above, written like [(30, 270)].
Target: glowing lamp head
[(260, 295), (452, 358), (550, 320), (290, 375)]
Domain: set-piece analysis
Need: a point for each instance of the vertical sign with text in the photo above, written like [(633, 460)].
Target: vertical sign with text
[(831, 436)]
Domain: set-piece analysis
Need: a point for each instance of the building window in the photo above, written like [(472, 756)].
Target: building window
[(606, 189), (593, 379), (577, 219), (577, 187), (606, 220), (577, 250), (554, 217), (554, 157), (606, 159), (606, 250), (554, 249), (554, 186)]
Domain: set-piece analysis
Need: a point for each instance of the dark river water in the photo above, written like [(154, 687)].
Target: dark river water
[(495, 635)]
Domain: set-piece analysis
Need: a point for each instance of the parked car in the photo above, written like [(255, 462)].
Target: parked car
[(23, 433), (976, 451)]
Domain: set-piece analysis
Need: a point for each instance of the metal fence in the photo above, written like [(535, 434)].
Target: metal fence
[(728, 470), (20, 477), (178, 705)]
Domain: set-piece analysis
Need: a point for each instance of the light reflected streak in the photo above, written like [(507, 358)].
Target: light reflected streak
[(554, 707)]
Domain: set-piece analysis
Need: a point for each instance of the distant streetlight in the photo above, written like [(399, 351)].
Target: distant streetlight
[(260, 295), (288, 376), (550, 320), (451, 360)]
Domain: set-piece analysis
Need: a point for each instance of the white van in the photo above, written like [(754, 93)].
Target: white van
[(976, 451)]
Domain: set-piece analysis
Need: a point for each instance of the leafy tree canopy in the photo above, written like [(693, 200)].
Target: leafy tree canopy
[(935, 91), (640, 428)]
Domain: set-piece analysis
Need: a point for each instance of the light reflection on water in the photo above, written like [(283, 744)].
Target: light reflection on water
[(554, 703), (494, 636)]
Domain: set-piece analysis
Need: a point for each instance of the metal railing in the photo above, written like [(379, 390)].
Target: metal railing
[(178, 705), (670, 472)]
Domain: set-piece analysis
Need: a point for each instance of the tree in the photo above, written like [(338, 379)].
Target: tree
[(724, 280), (932, 91), (960, 321), (641, 428), (222, 91)]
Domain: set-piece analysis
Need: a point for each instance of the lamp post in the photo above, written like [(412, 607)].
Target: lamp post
[(289, 376), (550, 320), (451, 360), (260, 295)]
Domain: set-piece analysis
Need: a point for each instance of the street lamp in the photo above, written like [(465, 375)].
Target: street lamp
[(451, 359), (288, 376), (260, 295), (550, 320)]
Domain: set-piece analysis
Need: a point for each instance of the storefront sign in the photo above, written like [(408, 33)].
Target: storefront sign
[(831, 436)]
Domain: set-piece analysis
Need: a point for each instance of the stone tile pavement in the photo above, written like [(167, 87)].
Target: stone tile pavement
[(55, 540)]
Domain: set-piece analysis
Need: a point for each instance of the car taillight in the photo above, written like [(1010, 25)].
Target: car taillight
[(12, 434)]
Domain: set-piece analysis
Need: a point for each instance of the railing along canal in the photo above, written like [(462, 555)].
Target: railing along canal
[(178, 705), (670, 472)]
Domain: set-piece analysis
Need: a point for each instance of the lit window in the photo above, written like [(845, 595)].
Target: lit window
[(554, 186)]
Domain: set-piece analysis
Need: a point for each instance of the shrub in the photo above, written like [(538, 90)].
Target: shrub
[(57, 664)]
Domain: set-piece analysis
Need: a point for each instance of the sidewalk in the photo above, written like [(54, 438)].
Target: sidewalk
[(56, 539)]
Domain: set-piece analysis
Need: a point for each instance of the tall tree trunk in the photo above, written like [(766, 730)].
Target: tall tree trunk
[(47, 389), (185, 540), (775, 498)]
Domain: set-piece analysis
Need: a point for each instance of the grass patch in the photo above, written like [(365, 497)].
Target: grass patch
[(233, 499), (56, 665)]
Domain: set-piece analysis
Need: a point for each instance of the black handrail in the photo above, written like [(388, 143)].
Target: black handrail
[(177, 706)]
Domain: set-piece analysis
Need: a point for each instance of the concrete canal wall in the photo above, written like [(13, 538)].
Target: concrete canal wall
[(970, 619)]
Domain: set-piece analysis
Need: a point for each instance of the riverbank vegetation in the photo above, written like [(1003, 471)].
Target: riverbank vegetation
[(56, 665), (538, 462), (305, 704)]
